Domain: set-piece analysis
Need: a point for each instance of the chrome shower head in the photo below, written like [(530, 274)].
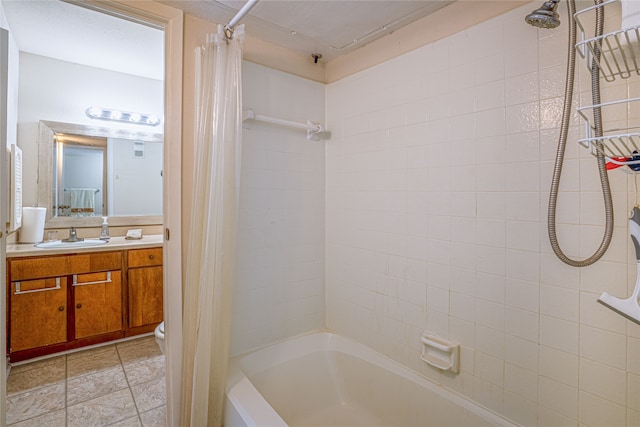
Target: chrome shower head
[(546, 16)]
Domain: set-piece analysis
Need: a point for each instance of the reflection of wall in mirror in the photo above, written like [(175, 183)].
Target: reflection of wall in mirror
[(135, 180), (64, 92), (83, 169)]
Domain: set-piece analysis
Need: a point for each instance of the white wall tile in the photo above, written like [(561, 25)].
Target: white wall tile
[(550, 418), (282, 204), (523, 235), (490, 341), (554, 272), (490, 123), (488, 68), (523, 147), (559, 302), (522, 353), (597, 411), (462, 306), (603, 381), (633, 391), (559, 365), (522, 324), (522, 60), (463, 280), (633, 355), (489, 395), (519, 381), (490, 95), (491, 260), (525, 118), (523, 265), (522, 294), (559, 334), (522, 176), (520, 410), (491, 287), (490, 314), (521, 89), (489, 368), (445, 173), (605, 347), (490, 232), (491, 204), (491, 149), (558, 397)]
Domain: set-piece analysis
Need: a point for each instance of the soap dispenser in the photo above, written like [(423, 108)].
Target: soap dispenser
[(104, 232)]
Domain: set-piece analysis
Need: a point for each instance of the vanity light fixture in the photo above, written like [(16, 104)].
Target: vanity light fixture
[(122, 116)]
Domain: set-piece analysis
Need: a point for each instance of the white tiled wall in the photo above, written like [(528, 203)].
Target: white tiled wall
[(437, 179), (279, 288)]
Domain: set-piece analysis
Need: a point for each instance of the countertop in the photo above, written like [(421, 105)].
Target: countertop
[(114, 244)]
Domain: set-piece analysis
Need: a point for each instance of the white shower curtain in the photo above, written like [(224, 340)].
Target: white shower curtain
[(211, 246)]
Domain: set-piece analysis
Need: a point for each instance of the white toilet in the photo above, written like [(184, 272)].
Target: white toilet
[(159, 333)]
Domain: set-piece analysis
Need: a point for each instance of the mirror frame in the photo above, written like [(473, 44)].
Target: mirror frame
[(46, 132)]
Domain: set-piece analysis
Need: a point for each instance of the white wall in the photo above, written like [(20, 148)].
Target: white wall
[(83, 168), (135, 182), (4, 211), (8, 131), (279, 288), (12, 78), (61, 91), (437, 184)]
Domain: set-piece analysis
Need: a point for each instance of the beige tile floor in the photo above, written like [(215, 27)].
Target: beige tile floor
[(120, 384)]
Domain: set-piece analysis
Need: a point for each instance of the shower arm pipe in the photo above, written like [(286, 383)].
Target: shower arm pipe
[(562, 141), (312, 128), (228, 29)]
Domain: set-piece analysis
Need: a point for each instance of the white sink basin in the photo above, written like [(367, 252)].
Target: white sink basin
[(60, 244)]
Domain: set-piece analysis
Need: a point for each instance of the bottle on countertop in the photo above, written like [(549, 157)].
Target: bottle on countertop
[(104, 232)]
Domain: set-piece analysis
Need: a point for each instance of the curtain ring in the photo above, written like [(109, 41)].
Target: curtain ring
[(228, 32)]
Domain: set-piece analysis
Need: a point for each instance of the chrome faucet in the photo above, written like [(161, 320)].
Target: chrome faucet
[(73, 236)]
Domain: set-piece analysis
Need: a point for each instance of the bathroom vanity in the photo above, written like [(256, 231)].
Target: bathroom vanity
[(61, 299)]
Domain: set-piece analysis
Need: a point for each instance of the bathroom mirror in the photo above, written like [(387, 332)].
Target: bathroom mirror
[(85, 172)]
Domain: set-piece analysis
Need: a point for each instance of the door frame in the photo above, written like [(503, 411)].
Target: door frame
[(4, 201), (172, 22)]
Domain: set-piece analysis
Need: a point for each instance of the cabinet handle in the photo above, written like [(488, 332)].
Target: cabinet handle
[(151, 256), (78, 305), (19, 292), (61, 308), (75, 280)]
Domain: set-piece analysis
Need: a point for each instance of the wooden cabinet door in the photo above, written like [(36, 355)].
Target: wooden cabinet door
[(98, 303), (38, 313), (145, 296)]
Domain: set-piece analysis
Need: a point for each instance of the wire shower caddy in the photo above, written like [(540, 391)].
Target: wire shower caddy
[(619, 58)]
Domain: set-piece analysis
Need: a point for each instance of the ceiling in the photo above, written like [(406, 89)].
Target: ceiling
[(79, 35), (326, 27)]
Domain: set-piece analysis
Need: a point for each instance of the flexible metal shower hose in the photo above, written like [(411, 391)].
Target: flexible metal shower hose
[(562, 142)]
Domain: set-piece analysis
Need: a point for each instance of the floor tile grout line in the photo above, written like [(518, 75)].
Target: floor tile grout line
[(142, 354), (66, 387), (126, 378)]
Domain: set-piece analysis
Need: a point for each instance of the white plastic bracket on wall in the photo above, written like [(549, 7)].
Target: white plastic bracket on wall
[(440, 353), (313, 131)]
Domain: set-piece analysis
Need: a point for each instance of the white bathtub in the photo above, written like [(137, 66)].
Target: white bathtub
[(324, 379)]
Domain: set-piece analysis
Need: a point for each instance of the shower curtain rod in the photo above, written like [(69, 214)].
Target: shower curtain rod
[(313, 129), (228, 29)]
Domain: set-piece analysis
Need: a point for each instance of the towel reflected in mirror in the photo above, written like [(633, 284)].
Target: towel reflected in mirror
[(82, 201)]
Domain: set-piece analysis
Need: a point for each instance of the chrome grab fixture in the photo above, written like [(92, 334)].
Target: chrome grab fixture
[(73, 236)]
